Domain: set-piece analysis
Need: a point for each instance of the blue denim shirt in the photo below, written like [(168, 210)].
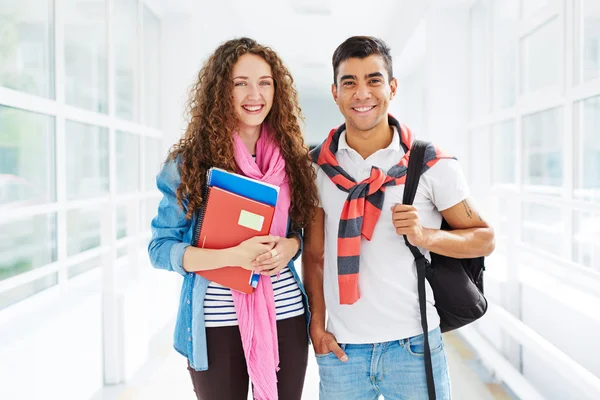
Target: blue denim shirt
[(171, 235)]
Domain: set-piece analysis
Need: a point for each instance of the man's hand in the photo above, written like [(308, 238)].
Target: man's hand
[(325, 343), (406, 221)]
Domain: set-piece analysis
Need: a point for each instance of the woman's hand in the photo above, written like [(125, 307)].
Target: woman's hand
[(246, 252), (273, 261)]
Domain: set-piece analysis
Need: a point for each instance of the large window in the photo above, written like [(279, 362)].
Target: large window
[(26, 43), (590, 60), (128, 162), (151, 69), (27, 174), (542, 149), (541, 58), (504, 156), (87, 160), (124, 31), (504, 67), (587, 149), (480, 86), (65, 149), (86, 68)]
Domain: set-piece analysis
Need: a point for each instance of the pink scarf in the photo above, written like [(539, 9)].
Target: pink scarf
[(256, 312)]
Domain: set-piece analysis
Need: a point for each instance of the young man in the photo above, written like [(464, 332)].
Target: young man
[(356, 264)]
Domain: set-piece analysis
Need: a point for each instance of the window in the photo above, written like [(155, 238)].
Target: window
[(86, 68), (587, 149), (27, 244), (26, 46), (542, 149), (586, 241), (84, 227), (504, 157), (151, 69), (542, 227), (24, 291), (541, 58), (128, 163), (84, 266), (87, 160), (153, 160), (480, 85), (479, 163), (27, 154), (590, 62), (124, 30), (504, 80)]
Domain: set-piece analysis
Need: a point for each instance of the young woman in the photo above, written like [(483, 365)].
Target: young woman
[(244, 118)]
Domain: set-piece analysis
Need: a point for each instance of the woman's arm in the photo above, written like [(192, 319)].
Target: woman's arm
[(168, 251)]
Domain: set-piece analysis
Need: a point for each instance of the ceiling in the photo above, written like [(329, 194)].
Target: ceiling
[(304, 32)]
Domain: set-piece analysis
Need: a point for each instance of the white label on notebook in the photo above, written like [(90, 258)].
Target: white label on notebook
[(251, 220)]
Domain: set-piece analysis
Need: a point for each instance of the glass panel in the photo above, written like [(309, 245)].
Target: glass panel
[(87, 160), (586, 242), (151, 69), (22, 292), (150, 211), (591, 39), (128, 163), (530, 7), (26, 46), (542, 148), (542, 227), (480, 84), (27, 174), (86, 68), (504, 154), (124, 26), (153, 160), (121, 221), (84, 227), (587, 181), (541, 57), (27, 244), (479, 164), (84, 266), (505, 45)]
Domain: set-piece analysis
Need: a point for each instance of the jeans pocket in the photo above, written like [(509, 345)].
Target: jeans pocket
[(416, 344), (323, 355)]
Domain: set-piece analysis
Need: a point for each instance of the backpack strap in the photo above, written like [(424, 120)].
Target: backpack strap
[(413, 175)]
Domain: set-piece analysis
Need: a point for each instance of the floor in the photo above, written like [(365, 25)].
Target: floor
[(165, 376)]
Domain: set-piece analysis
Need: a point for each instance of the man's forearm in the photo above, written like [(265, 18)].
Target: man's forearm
[(312, 276), (460, 243)]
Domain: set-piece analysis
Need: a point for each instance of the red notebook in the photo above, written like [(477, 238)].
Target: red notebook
[(228, 219)]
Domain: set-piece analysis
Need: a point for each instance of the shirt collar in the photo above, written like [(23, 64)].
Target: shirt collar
[(394, 145)]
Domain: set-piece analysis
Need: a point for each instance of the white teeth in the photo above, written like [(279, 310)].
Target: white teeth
[(252, 108), (364, 109)]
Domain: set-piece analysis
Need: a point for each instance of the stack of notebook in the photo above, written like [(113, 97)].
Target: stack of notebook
[(236, 208)]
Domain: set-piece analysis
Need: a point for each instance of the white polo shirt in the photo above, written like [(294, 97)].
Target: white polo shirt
[(388, 308)]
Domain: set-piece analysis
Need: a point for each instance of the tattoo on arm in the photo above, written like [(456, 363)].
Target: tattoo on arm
[(468, 209)]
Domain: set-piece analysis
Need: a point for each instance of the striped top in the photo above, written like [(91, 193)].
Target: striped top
[(219, 309)]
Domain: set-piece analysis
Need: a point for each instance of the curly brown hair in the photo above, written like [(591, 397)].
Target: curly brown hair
[(208, 140)]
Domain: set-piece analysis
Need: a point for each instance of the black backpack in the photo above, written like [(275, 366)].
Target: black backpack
[(457, 284)]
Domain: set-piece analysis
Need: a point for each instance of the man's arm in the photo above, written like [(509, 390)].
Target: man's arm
[(313, 258), (471, 236)]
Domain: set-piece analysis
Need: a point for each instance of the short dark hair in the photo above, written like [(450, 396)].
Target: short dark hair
[(362, 47)]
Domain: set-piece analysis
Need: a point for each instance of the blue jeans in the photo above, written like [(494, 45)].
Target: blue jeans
[(395, 370)]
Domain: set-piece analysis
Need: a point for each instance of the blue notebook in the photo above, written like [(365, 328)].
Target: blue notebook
[(246, 187), (241, 185)]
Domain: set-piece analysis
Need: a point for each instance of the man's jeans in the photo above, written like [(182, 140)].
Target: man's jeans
[(395, 370)]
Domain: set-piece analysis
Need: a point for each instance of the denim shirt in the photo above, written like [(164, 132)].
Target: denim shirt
[(171, 235)]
